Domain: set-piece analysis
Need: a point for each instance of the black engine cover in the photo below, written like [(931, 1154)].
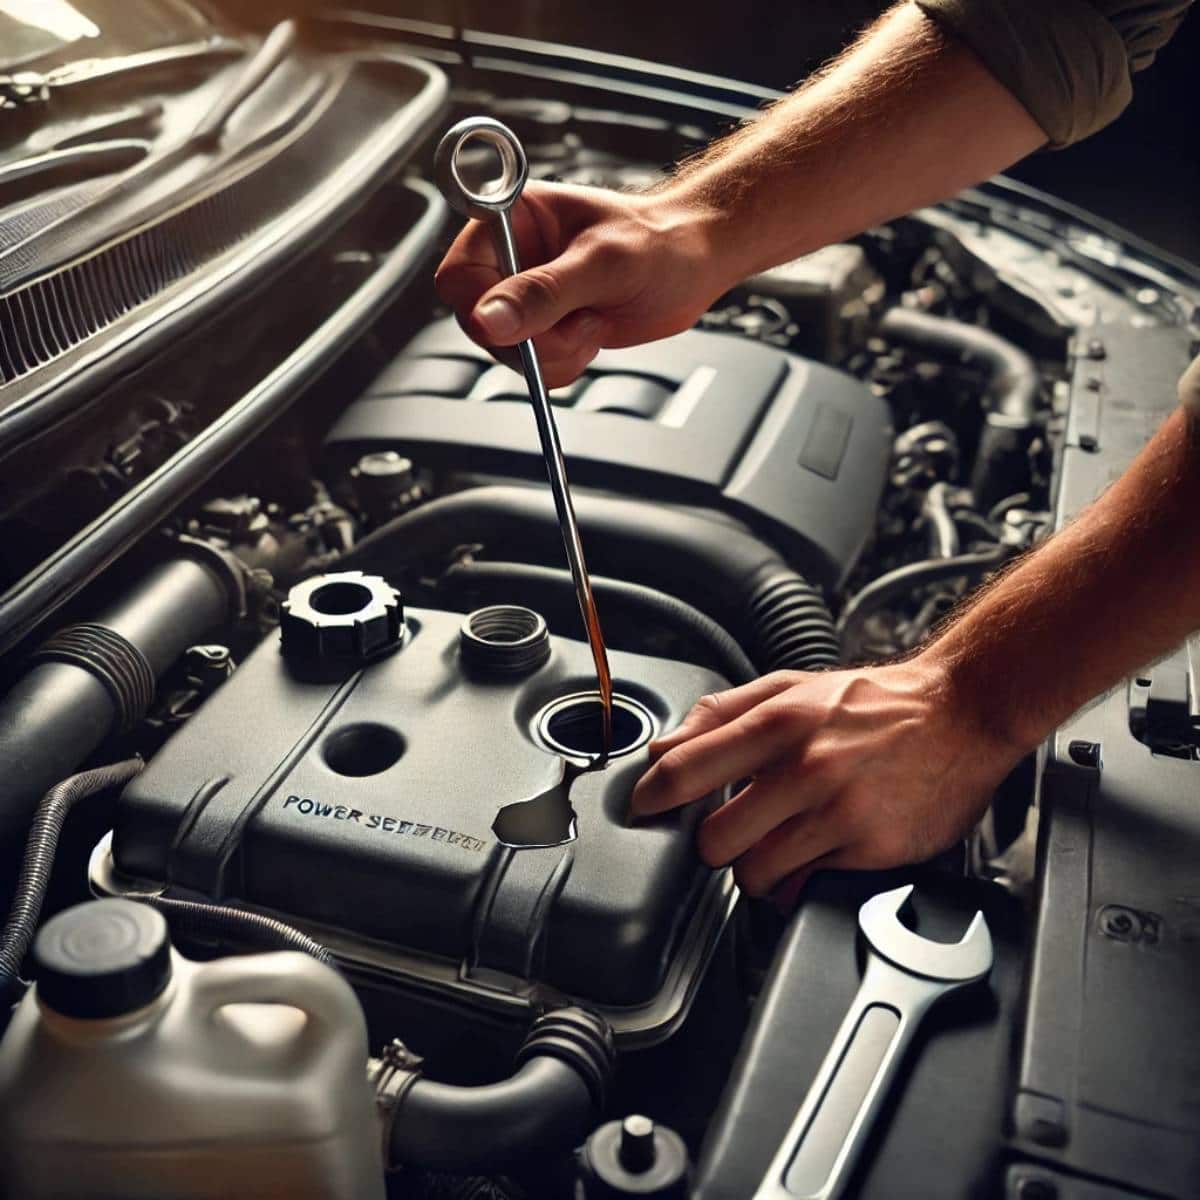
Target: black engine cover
[(362, 807), (797, 450)]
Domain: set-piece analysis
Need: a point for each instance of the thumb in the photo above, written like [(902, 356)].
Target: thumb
[(532, 302)]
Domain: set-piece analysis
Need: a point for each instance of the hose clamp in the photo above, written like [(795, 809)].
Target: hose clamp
[(393, 1076), (112, 659)]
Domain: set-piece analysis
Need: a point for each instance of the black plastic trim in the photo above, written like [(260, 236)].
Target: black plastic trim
[(69, 382)]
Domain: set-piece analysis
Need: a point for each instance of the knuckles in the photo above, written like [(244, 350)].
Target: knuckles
[(610, 253), (669, 773), (537, 287), (712, 706)]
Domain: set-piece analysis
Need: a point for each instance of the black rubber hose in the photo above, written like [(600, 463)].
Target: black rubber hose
[(57, 713), (936, 510), (40, 848), (714, 564), (904, 580), (547, 1107), (1012, 400), (552, 589), (218, 922)]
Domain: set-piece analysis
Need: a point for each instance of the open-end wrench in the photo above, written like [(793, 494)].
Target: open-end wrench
[(492, 203), (906, 974)]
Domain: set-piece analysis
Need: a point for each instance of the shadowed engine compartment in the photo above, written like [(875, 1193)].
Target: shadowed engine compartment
[(291, 658)]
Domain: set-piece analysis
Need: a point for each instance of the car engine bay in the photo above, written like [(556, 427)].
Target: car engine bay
[(275, 526)]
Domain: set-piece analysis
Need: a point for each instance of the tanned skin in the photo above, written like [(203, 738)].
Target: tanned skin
[(903, 118), (872, 767)]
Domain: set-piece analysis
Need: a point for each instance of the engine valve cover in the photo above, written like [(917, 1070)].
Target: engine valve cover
[(362, 808), (796, 449)]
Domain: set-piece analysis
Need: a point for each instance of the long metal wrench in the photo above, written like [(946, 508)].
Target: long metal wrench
[(906, 975), (493, 204)]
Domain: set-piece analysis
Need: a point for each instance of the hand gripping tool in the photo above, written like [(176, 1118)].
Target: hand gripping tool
[(492, 202)]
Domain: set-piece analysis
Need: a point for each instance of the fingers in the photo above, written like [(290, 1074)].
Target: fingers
[(548, 302), (798, 845), (471, 266), (721, 707), (526, 305), (787, 893), (556, 281), (774, 797), (564, 352), (702, 764)]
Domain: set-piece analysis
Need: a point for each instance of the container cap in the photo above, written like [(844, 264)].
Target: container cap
[(102, 959)]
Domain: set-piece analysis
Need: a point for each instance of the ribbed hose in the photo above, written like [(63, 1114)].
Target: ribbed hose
[(499, 581), (719, 566), (40, 847), (792, 625), (547, 1107), (193, 921)]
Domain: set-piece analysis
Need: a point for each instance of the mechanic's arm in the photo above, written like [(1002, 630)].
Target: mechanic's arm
[(881, 766), (906, 116), (938, 94)]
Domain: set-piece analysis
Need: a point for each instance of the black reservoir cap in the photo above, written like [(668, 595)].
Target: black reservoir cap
[(104, 958)]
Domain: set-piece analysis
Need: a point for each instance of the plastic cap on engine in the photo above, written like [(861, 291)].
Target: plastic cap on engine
[(343, 619), (102, 959), (635, 1157)]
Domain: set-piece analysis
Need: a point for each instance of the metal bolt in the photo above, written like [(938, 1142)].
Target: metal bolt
[(637, 1144), (1036, 1189), (1086, 754)]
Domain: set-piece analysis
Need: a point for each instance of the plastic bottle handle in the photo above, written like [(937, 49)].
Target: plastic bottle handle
[(290, 978)]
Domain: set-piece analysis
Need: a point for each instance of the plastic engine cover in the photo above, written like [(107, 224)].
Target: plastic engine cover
[(795, 449), (362, 808)]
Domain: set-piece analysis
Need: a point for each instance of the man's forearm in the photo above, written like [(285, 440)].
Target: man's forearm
[(1111, 592), (905, 117)]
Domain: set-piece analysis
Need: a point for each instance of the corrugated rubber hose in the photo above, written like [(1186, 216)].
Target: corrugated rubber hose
[(40, 847)]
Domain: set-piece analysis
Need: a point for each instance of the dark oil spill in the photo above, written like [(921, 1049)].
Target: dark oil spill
[(547, 819)]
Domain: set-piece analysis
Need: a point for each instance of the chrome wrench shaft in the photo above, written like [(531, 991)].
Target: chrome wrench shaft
[(492, 203), (906, 975)]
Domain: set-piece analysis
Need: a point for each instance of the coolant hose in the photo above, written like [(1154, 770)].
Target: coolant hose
[(715, 564), (194, 921), (40, 848), (552, 590), (904, 580), (1011, 404), (547, 1107), (935, 509), (59, 711)]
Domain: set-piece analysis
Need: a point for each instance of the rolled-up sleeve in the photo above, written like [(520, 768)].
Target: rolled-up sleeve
[(1069, 62), (1189, 389)]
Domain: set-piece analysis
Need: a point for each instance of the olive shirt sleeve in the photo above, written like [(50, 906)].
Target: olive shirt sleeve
[(1069, 62), (1189, 389)]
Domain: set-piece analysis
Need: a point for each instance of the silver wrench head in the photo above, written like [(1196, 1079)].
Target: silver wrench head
[(498, 195), (963, 961)]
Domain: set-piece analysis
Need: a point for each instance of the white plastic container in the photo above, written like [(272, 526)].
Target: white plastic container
[(132, 1072)]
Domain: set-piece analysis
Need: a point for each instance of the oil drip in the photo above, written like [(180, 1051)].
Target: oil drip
[(547, 819)]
